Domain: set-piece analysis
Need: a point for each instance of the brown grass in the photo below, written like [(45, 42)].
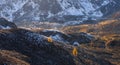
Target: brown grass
[(11, 57)]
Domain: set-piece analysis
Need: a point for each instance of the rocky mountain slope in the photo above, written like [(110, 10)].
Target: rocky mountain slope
[(20, 46), (107, 30), (95, 38), (52, 10), (35, 47)]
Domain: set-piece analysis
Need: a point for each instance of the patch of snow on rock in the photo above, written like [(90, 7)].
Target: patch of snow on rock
[(76, 44), (7, 27), (105, 2), (58, 38)]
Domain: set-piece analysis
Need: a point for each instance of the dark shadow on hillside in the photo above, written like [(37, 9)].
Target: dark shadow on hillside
[(38, 53)]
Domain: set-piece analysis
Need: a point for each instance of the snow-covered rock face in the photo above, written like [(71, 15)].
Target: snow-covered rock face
[(38, 10), (56, 35)]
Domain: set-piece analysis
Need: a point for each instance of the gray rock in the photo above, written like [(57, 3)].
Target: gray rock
[(5, 24)]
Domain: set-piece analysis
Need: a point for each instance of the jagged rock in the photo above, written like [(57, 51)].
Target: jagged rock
[(5, 24), (56, 35), (68, 38)]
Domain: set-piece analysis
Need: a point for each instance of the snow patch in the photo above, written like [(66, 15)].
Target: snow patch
[(76, 44), (50, 14), (58, 38), (74, 11), (3, 27), (50, 30), (37, 18), (105, 2), (97, 14), (87, 6), (22, 13)]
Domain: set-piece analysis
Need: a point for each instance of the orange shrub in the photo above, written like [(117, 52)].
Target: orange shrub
[(75, 52), (50, 39)]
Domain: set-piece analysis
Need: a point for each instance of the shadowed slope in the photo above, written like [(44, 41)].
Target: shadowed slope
[(35, 47)]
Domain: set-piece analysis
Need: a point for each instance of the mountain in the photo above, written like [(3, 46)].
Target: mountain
[(56, 10)]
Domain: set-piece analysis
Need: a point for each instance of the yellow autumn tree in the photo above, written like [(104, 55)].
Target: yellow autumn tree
[(50, 39), (75, 52)]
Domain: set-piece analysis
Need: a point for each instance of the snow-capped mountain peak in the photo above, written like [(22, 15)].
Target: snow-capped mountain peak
[(40, 10)]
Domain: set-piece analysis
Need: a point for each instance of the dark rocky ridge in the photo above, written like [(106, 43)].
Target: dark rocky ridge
[(39, 52), (70, 38), (5, 23)]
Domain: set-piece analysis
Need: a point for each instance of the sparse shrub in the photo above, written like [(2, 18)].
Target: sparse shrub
[(50, 39)]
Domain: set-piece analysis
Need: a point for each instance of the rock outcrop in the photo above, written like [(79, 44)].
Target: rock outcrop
[(5, 24), (58, 36)]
